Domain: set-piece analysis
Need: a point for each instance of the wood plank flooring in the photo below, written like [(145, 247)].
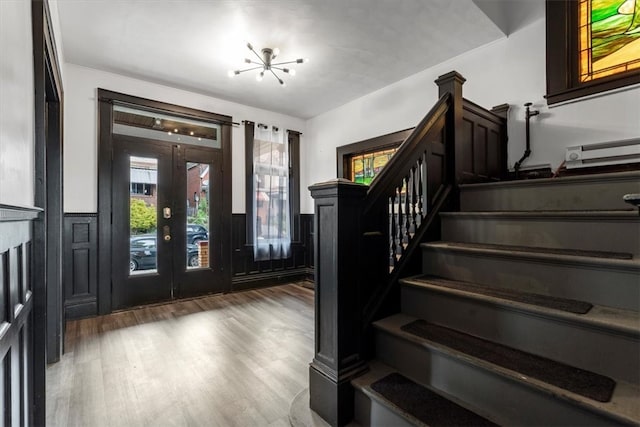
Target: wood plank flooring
[(225, 360)]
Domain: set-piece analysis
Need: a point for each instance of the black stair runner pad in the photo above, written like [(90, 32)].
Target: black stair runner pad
[(425, 405), (576, 380), (564, 304), (554, 251)]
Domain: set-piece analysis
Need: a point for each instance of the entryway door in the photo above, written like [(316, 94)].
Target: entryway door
[(166, 221)]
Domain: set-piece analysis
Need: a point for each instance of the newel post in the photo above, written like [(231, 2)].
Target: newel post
[(337, 360), (454, 149)]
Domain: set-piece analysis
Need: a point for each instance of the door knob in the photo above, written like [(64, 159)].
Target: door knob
[(166, 231)]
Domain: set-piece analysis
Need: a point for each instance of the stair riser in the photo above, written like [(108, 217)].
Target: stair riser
[(369, 412), (589, 193), (614, 287), (606, 353), (514, 402), (595, 234)]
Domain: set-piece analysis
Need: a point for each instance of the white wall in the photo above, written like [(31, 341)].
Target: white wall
[(511, 70), (81, 132), (16, 104)]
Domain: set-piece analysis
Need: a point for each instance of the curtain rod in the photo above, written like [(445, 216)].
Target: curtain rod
[(259, 124)]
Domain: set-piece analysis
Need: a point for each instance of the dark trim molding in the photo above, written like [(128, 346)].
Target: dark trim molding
[(390, 140), (252, 281), (18, 213), (46, 269), (562, 57)]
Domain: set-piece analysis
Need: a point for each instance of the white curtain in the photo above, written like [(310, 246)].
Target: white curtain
[(271, 215)]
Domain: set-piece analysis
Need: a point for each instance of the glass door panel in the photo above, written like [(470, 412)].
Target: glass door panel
[(197, 219), (143, 214)]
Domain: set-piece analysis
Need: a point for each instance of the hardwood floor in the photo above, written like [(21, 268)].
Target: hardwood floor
[(224, 360)]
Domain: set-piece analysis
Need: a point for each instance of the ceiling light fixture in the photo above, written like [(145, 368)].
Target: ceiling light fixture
[(266, 64)]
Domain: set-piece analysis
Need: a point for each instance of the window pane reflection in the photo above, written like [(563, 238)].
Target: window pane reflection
[(197, 215)]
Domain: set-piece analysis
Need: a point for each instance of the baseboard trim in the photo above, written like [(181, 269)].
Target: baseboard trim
[(81, 309), (262, 280)]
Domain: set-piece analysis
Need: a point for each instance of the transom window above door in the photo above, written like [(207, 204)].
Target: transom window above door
[(155, 125)]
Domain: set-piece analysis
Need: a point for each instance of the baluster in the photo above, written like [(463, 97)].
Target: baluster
[(407, 212), (420, 185), (413, 199), (400, 217), (393, 228)]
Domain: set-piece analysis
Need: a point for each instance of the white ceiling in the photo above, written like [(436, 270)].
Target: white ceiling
[(354, 46)]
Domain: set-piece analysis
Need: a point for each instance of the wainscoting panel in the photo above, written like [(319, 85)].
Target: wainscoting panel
[(248, 273), (80, 268), (16, 304)]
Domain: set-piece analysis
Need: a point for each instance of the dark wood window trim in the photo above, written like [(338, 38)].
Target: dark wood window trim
[(106, 100), (294, 180), (562, 58), (344, 152)]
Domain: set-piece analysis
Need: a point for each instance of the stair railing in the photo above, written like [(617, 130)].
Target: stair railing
[(366, 238)]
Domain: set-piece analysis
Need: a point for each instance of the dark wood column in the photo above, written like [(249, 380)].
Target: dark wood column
[(338, 205)]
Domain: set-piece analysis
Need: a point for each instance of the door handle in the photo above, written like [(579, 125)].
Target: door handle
[(166, 233)]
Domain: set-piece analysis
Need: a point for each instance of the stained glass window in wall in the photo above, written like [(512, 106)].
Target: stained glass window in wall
[(365, 166), (609, 37)]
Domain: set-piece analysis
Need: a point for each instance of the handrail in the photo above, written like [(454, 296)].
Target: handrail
[(406, 154), (401, 207)]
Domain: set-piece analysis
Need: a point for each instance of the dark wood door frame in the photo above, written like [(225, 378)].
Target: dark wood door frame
[(106, 100), (47, 229)]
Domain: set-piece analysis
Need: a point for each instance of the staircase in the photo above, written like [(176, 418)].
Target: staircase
[(526, 312)]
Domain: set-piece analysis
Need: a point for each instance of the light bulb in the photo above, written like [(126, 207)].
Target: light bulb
[(230, 73), (259, 76), (191, 133), (292, 72), (276, 52), (282, 82), (305, 60)]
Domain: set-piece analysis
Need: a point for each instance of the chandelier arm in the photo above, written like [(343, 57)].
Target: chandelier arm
[(284, 63), (259, 57), (275, 75), (251, 69)]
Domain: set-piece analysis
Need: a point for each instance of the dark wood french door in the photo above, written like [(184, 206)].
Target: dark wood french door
[(166, 221)]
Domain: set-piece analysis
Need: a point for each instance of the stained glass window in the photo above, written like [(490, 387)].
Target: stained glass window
[(365, 166), (609, 37)]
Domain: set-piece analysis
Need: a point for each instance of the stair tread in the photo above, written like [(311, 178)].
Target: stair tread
[(418, 404), (609, 318), (540, 250), (548, 254), (628, 214), (622, 405), (585, 383), (627, 175), (564, 304)]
